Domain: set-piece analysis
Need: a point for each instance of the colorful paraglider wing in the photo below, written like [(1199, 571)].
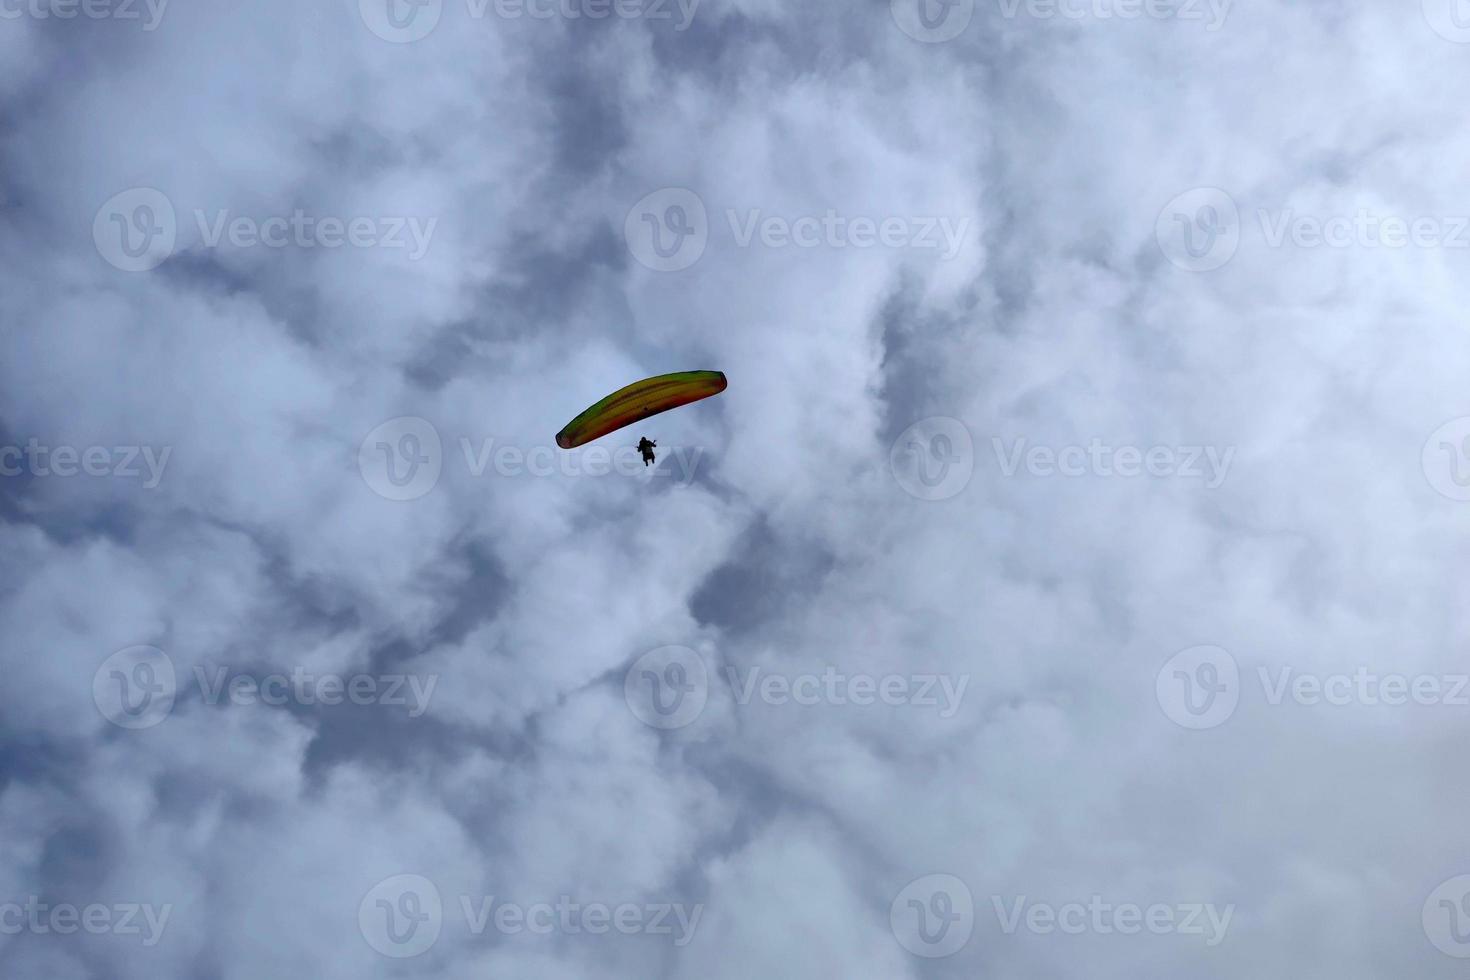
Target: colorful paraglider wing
[(638, 401)]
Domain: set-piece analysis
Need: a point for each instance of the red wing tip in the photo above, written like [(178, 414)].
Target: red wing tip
[(563, 441)]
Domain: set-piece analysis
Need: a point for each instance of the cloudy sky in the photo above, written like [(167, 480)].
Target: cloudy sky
[(1069, 584)]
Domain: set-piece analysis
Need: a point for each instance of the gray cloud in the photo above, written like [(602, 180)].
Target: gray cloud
[(811, 547)]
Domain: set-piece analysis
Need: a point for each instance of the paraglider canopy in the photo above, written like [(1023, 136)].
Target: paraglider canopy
[(639, 401)]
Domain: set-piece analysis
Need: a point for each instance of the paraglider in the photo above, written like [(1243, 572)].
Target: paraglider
[(646, 447), (638, 401)]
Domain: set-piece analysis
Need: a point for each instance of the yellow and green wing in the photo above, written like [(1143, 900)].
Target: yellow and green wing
[(637, 402)]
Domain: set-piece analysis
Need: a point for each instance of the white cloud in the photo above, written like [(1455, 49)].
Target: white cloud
[(792, 550)]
